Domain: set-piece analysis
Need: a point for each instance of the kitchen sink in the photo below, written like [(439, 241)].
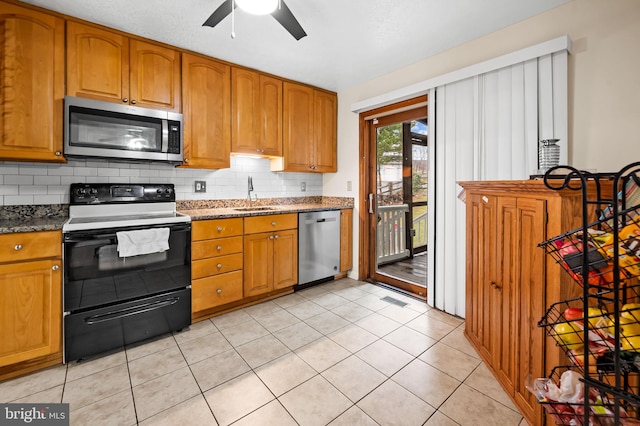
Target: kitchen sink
[(253, 209)]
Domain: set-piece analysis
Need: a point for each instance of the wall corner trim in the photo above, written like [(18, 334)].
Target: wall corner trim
[(545, 48)]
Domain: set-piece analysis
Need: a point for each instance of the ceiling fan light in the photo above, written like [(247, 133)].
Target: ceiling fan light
[(257, 7)]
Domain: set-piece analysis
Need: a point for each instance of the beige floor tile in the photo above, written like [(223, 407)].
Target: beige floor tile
[(372, 301), (194, 411), (114, 410), (149, 347), (484, 382), (53, 395), (194, 331), (263, 308), (231, 319), (17, 388), (327, 322), (315, 402), (444, 317), (354, 377), (276, 320), (289, 300), (439, 419), (392, 405), (400, 314), (426, 382), (237, 398), (352, 311), (195, 350), (410, 340), (456, 340), (329, 300), (467, 406), (208, 373), (431, 327), (155, 365), (96, 387), (306, 310), (384, 357), (378, 324), (353, 417), (244, 332), (419, 307), (272, 414), (314, 291), (449, 360), (298, 335), (352, 338), (322, 354), (164, 392), (78, 370), (285, 373), (262, 351), (368, 287), (350, 293)]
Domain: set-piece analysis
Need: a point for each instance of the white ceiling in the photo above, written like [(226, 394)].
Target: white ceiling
[(348, 42)]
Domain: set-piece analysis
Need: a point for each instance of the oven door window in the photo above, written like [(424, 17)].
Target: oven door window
[(95, 274), (115, 131)]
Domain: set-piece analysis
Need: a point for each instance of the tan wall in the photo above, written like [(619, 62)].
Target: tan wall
[(604, 84)]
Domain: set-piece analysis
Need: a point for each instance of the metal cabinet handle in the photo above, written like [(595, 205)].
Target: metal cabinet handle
[(58, 153), (219, 248), (55, 267), (219, 265), (271, 237), (273, 223), (133, 102), (125, 100), (219, 291), (18, 247), (276, 237), (219, 228), (186, 160)]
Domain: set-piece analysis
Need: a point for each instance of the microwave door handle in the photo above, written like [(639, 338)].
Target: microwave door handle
[(165, 136)]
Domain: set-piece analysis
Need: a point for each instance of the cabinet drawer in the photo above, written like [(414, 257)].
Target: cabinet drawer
[(217, 247), (216, 265), (257, 224), (30, 245), (217, 228), (209, 292)]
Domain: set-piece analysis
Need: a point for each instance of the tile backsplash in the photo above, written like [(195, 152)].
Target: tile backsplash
[(43, 183)]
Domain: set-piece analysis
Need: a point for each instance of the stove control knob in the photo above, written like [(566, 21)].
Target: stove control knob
[(93, 191), (159, 191), (81, 191), (168, 190)]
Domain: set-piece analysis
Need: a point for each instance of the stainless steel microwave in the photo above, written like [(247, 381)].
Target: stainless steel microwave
[(105, 130)]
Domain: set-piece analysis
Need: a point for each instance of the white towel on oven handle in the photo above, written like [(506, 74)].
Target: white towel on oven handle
[(144, 241)]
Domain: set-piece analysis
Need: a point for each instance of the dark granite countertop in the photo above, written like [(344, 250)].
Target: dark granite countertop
[(48, 217)]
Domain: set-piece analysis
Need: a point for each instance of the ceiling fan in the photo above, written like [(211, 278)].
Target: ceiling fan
[(278, 10)]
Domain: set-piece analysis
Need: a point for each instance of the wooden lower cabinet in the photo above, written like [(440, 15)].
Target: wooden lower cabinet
[(346, 240), (30, 299), (217, 290), (510, 281)]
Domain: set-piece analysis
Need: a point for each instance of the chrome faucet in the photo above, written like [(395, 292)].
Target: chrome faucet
[(249, 190)]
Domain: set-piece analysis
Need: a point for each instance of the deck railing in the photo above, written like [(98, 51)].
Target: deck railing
[(391, 233), (420, 230)]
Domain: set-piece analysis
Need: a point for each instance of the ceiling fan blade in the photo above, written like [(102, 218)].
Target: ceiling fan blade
[(288, 21), (220, 13)]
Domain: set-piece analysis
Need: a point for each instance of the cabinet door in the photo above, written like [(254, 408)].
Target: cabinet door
[(206, 97), (31, 85), (297, 144), (97, 64), (480, 293), (154, 76), (270, 126), (324, 132), (245, 111), (285, 258), (346, 240), (31, 313), (529, 305), (258, 263)]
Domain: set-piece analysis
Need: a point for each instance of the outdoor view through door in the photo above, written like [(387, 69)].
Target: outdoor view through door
[(401, 202)]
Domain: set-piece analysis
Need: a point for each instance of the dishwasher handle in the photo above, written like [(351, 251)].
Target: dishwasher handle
[(324, 219)]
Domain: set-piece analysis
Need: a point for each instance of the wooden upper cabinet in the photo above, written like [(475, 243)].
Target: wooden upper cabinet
[(206, 98), (108, 66), (31, 85), (256, 105), (309, 126)]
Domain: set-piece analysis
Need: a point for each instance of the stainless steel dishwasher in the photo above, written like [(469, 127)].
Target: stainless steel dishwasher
[(318, 246)]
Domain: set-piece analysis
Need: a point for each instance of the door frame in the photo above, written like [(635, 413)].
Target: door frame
[(367, 175)]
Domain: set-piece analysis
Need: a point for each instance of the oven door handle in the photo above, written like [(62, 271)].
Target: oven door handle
[(133, 310), (82, 236)]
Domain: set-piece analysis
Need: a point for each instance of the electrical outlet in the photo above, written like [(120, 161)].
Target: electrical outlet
[(303, 186), (349, 185), (201, 186)]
